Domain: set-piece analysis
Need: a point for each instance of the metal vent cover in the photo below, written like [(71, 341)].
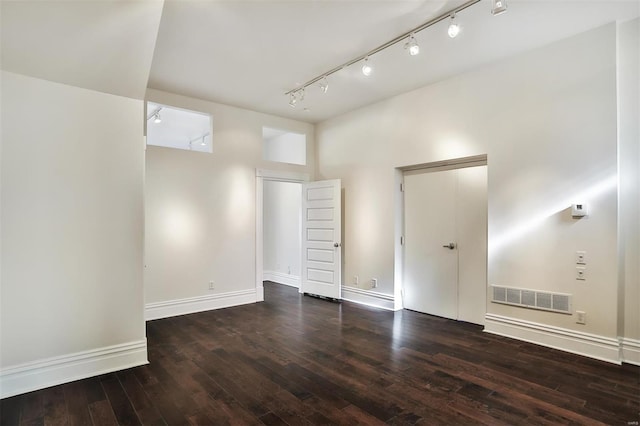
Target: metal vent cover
[(533, 299), (499, 294)]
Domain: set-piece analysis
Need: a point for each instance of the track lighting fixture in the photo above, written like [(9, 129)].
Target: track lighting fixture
[(202, 141), (498, 6), (412, 45), (454, 27), (324, 84), (367, 69), (155, 115), (297, 95)]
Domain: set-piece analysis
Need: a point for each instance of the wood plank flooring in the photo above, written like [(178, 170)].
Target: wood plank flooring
[(302, 361)]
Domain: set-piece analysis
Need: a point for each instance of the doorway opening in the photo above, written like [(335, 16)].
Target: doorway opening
[(282, 203), (319, 234), (444, 239), (278, 228)]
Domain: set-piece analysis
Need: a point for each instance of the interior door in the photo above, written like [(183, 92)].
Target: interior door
[(445, 251), (430, 260), (322, 238)]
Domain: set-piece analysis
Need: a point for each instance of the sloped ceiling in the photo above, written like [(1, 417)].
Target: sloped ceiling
[(248, 53), (100, 45)]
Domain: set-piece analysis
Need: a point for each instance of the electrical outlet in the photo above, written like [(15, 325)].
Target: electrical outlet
[(581, 257), (374, 282), (356, 280), (582, 317), (211, 285), (581, 273)]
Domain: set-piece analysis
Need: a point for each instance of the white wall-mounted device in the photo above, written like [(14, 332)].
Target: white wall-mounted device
[(578, 210)]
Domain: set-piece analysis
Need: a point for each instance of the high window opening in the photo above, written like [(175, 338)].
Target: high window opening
[(283, 146), (178, 128)]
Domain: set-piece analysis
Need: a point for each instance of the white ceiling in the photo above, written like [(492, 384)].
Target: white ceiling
[(248, 53)]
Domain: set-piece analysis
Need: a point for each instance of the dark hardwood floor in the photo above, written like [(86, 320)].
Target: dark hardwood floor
[(301, 361)]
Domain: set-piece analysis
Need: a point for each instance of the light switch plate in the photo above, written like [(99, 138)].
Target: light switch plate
[(581, 273), (581, 257)]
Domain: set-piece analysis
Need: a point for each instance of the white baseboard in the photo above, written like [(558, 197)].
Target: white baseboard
[(368, 297), (281, 278), (68, 368), (172, 308), (590, 345), (630, 350)]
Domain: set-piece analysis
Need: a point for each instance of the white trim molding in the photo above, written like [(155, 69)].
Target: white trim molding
[(282, 175), (281, 278), (68, 368), (630, 350), (190, 305), (590, 345), (368, 297)]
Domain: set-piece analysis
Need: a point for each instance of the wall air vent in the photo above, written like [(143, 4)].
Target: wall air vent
[(533, 299)]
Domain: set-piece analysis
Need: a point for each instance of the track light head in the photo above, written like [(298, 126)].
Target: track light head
[(454, 27), (367, 69), (498, 6), (295, 97), (412, 46), (156, 118), (324, 84)]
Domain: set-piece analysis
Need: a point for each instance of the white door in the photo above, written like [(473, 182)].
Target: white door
[(445, 250), (322, 239), (431, 270)]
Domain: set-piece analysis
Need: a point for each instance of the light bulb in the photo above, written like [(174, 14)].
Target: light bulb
[(293, 101), (412, 46), (454, 27), (156, 118), (367, 69), (203, 143)]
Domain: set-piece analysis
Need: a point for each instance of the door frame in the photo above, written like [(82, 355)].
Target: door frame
[(452, 164), (263, 175)]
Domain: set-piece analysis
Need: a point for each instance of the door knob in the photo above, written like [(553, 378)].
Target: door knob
[(450, 246), (336, 245)]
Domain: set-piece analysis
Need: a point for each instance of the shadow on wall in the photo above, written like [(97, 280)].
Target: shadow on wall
[(559, 209)]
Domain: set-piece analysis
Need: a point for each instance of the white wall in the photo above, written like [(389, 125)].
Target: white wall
[(201, 210), (282, 204), (629, 154), (547, 121), (72, 222)]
